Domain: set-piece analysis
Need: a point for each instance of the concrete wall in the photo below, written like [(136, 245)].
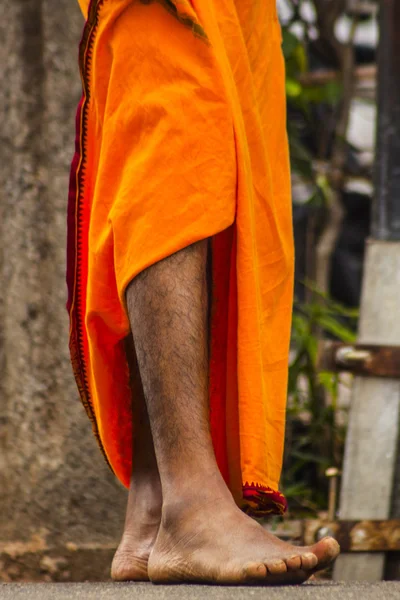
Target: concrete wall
[(57, 497)]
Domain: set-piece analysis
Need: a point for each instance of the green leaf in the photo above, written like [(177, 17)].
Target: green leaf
[(329, 93), (293, 88), (317, 199), (307, 457), (333, 92), (301, 58), (299, 489), (330, 382), (333, 326), (289, 43)]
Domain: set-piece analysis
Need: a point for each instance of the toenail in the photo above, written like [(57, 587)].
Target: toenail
[(294, 562), (261, 569), (311, 558), (277, 565)]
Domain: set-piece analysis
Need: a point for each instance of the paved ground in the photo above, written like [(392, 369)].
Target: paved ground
[(145, 591)]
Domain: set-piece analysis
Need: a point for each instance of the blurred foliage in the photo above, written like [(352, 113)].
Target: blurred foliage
[(302, 100), (315, 437)]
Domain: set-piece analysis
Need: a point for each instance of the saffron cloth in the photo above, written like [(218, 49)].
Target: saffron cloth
[(181, 136)]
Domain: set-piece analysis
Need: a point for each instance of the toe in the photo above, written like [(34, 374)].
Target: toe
[(326, 551), (276, 567), (293, 563), (308, 561), (255, 572)]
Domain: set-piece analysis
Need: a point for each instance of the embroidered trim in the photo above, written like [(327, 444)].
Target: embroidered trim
[(75, 228), (260, 500), (75, 257)]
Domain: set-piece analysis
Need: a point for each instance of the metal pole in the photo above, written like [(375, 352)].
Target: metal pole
[(386, 210), (374, 418)]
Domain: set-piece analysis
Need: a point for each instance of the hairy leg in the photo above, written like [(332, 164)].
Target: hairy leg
[(203, 536), (143, 513)]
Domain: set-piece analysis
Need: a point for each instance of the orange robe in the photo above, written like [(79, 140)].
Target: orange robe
[(181, 136)]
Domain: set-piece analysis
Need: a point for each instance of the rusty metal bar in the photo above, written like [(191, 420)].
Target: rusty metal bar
[(386, 210), (360, 359), (356, 536), (353, 535)]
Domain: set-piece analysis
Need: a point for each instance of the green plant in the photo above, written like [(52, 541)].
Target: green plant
[(302, 100), (314, 439)]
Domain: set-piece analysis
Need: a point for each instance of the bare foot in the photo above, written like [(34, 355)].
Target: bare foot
[(143, 514), (132, 556), (141, 529), (217, 543)]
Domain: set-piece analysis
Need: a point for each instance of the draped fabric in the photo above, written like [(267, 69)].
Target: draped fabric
[(181, 136)]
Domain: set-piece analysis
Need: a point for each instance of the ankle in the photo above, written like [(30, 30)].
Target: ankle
[(187, 501), (188, 479), (145, 500)]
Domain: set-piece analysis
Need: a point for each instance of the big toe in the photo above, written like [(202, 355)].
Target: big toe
[(326, 551)]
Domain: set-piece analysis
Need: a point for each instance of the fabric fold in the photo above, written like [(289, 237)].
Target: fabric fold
[(181, 137)]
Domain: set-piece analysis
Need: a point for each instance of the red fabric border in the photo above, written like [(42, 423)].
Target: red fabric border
[(260, 500)]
